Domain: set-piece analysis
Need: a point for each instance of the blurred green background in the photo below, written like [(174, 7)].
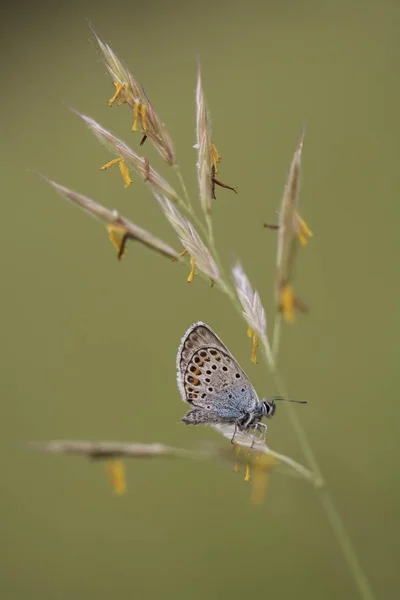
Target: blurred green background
[(89, 344)]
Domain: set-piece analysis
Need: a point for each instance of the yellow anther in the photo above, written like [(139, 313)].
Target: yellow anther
[(111, 163), (125, 173), (143, 114), (183, 253), (237, 449), (247, 476), (260, 479), (288, 303), (303, 231), (193, 270), (136, 107), (254, 350), (122, 167), (116, 474), (116, 234), (119, 89), (253, 336)]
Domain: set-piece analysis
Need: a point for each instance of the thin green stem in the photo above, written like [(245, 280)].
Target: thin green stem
[(295, 422), (276, 335), (349, 552), (187, 204), (210, 236), (182, 184), (224, 283), (338, 527)]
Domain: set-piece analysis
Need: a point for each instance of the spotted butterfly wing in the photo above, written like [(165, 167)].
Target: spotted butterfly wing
[(210, 379)]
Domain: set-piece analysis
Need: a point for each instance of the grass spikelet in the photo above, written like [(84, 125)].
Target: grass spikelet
[(113, 218), (190, 240), (138, 163), (204, 147), (253, 310), (292, 230), (128, 91), (118, 71)]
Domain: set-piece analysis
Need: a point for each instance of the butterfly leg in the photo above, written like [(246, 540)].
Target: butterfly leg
[(262, 427), (234, 433), (246, 426)]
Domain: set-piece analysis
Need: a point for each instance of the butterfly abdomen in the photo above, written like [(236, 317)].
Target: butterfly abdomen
[(200, 416)]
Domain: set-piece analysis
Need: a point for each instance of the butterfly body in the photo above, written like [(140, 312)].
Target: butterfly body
[(211, 380)]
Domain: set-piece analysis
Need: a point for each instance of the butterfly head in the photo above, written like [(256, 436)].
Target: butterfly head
[(268, 407)]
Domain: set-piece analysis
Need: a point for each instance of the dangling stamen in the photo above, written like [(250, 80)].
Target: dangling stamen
[(143, 114), (288, 303), (116, 474), (253, 336), (125, 173), (118, 237), (122, 167), (303, 231), (236, 449), (193, 270), (247, 476), (136, 107), (119, 88)]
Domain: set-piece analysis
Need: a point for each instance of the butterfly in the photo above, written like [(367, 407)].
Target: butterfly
[(211, 380)]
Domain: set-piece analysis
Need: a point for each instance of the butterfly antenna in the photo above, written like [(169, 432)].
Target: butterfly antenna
[(278, 398)]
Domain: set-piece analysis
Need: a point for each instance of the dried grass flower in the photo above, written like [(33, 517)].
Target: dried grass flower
[(254, 455), (128, 91), (200, 255), (117, 224), (258, 460), (253, 310), (292, 230), (131, 159)]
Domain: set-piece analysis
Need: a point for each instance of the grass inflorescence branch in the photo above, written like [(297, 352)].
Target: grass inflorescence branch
[(197, 245)]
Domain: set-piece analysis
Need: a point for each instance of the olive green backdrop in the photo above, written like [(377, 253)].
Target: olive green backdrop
[(88, 344)]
